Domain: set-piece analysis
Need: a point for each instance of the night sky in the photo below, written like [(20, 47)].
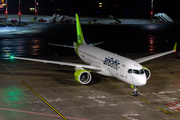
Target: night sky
[(118, 8)]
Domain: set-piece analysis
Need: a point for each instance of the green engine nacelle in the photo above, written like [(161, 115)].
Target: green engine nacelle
[(82, 76)]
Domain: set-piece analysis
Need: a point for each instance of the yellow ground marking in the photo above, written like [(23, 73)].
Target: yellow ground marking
[(129, 93), (176, 116), (145, 101), (36, 93), (174, 112), (105, 80), (7, 53), (163, 110), (116, 86)]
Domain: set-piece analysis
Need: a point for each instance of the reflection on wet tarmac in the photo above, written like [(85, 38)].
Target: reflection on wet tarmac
[(151, 44), (33, 40), (21, 47)]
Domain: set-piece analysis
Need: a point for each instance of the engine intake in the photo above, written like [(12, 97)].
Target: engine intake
[(147, 72), (82, 76)]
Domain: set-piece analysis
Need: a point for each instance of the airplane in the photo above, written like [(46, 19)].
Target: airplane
[(104, 62)]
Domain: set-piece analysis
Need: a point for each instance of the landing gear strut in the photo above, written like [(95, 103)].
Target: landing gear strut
[(135, 93)]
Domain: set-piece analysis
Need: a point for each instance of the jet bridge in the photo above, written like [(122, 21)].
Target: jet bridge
[(60, 18), (163, 17), (54, 17), (118, 21)]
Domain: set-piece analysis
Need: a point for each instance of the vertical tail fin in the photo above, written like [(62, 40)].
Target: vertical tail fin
[(80, 37)]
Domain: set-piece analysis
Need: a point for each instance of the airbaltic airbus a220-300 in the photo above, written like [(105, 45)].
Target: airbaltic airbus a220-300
[(105, 63)]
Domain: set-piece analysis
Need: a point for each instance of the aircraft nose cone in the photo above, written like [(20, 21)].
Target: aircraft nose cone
[(143, 82), (140, 81)]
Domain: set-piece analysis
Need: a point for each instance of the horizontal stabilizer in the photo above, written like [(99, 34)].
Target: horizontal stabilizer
[(96, 43), (62, 45)]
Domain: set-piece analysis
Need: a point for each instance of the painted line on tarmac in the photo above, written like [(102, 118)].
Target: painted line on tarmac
[(40, 114), (163, 110), (170, 112), (128, 92), (176, 116), (145, 101), (174, 112), (116, 86), (105, 80), (35, 93)]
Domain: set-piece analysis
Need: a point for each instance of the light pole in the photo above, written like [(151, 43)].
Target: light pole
[(19, 13), (6, 10), (35, 10), (151, 9)]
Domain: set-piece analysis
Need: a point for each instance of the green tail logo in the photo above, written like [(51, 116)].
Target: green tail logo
[(80, 37)]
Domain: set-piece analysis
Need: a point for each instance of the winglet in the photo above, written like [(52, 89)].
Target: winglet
[(175, 46), (9, 54)]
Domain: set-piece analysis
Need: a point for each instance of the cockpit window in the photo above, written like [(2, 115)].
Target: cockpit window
[(130, 71), (141, 71), (136, 71)]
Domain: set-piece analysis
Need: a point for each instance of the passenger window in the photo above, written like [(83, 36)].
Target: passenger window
[(130, 71)]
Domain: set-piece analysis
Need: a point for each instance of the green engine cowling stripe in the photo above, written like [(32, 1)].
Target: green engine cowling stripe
[(77, 73), (145, 67)]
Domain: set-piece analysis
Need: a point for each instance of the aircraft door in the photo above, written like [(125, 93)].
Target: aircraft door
[(100, 61), (122, 70)]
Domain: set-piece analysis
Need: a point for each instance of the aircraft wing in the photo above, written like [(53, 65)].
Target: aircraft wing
[(144, 59), (61, 63), (62, 45)]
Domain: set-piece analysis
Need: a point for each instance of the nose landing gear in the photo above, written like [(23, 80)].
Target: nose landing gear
[(135, 93)]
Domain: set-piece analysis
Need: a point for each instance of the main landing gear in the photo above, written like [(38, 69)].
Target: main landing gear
[(135, 93)]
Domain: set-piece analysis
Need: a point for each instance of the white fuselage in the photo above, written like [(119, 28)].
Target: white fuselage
[(112, 64)]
